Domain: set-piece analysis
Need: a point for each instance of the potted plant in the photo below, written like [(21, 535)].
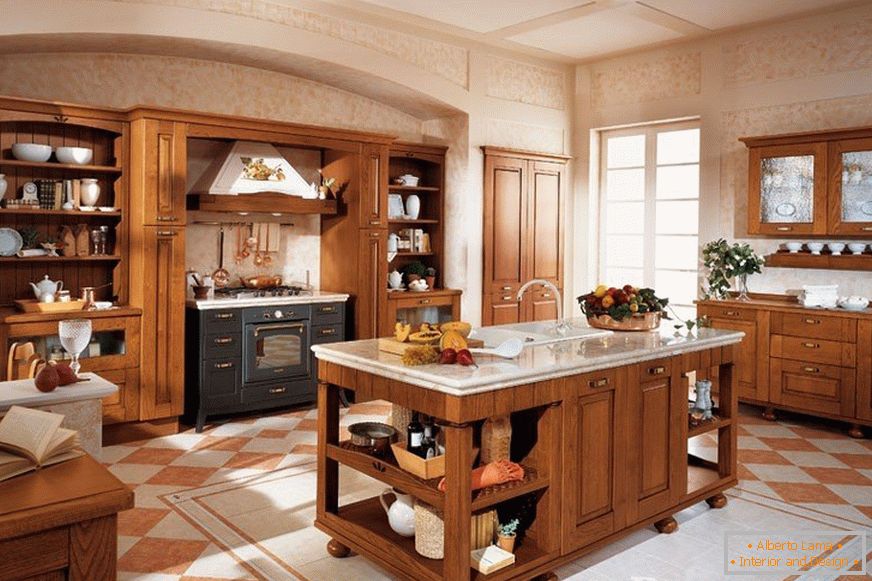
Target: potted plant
[(725, 262), (414, 270), (430, 277), (325, 189), (507, 534), (623, 309)]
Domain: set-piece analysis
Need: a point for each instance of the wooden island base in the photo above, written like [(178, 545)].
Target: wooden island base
[(634, 419)]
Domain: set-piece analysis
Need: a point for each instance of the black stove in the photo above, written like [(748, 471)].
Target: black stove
[(277, 291)]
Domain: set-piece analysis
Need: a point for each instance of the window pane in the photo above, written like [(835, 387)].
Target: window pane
[(626, 151), (678, 181), (625, 184), (679, 287), (624, 251), (678, 146), (618, 277), (677, 252), (625, 217), (678, 217), (683, 313)]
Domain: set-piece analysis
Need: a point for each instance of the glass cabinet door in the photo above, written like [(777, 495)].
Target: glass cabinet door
[(787, 190), (851, 184)]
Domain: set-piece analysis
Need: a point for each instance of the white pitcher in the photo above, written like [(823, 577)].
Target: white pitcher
[(401, 514), (395, 279)]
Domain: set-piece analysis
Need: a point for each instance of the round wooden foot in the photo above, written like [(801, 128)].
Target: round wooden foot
[(717, 501), (856, 431), (769, 414), (667, 526), (549, 576), (337, 549)]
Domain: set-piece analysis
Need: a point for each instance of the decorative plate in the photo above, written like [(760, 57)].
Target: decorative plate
[(785, 209), (867, 208), (10, 242)]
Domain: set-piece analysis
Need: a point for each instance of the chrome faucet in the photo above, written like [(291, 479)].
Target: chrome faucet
[(561, 327)]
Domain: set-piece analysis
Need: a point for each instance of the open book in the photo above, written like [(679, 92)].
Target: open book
[(31, 439)]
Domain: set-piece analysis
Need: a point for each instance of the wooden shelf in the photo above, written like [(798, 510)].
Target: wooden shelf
[(715, 424), (106, 258), (413, 189), (822, 261), (388, 471), (262, 203), (418, 221), (401, 254), (700, 477), (65, 213), (62, 166)]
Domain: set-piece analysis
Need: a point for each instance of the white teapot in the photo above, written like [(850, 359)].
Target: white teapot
[(45, 290), (401, 514), (854, 303), (395, 279)]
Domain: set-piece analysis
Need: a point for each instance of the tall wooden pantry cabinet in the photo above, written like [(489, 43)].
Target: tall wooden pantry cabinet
[(524, 214)]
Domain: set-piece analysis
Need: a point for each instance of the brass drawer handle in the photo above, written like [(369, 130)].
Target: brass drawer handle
[(656, 370), (224, 365), (811, 369), (165, 233), (732, 313), (223, 340), (812, 345), (813, 321), (507, 297), (374, 234), (784, 228), (166, 218), (324, 310), (224, 316), (278, 390), (867, 228), (375, 222), (546, 295), (424, 302), (330, 331), (601, 382), (507, 288)]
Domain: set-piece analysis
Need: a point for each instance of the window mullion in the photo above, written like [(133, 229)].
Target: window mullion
[(649, 237)]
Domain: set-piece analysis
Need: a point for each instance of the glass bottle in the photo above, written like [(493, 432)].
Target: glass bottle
[(415, 433)]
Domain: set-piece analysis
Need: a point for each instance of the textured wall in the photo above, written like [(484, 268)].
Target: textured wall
[(675, 75), (525, 83)]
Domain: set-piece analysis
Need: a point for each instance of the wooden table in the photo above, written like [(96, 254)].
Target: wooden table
[(60, 522)]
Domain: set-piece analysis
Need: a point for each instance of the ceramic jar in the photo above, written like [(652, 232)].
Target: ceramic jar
[(3, 184), (413, 207), (89, 192), (401, 514)]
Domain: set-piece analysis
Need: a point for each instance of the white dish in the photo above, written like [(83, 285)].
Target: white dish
[(10, 242), (815, 247), (107, 208), (785, 209), (857, 247), (852, 308), (74, 155), (103, 305), (794, 247), (836, 247), (31, 151), (87, 208)]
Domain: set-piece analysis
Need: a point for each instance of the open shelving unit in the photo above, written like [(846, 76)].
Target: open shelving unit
[(845, 261)]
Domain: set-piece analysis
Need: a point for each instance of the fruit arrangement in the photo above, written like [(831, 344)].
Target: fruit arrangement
[(54, 374), (450, 338), (621, 303)]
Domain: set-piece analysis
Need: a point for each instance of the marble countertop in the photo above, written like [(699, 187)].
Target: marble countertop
[(24, 393), (315, 297), (536, 363)]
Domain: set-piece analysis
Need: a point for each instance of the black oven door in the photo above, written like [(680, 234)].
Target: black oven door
[(276, 351)]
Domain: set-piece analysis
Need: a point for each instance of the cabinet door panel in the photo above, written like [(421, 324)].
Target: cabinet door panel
[(163, 323), (370, 302), (864, 370), (745, 353), (505, 223), (544, 306), (373, 187), (165, 173), (545, 209), (123, 405), (850, 165), (502, 310), (813, 387), (752, 354)]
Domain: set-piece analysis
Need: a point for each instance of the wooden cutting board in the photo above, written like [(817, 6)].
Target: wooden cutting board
[(391, 345)]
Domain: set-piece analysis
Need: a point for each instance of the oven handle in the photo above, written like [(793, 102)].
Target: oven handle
[(258, 329)]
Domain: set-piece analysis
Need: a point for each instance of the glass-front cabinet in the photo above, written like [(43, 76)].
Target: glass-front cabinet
[(787, 189), (851, 186)]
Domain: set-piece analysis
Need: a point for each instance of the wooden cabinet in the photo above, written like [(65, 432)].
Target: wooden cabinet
[(373, 187), (657, 409), (502, 309), (751, 355), (524, 214), (864, 370), (373, 272), (440, 306), (595, 456), (542, 305), (159, 162), (160, 265), (815, 184), (813, 386)]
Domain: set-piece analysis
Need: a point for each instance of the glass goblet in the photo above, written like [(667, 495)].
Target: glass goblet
[(75, 335)]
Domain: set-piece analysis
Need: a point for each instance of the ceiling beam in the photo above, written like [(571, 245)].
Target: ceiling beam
[(558, 17), (665, 19)]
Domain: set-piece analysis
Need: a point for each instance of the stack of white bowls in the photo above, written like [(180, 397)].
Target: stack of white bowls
[(820, 295)]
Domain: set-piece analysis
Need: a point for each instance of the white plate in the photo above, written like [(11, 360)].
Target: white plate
[(785, 209), (10, 242), (848, 308), (87, 208), (107, 208), (866, 208)]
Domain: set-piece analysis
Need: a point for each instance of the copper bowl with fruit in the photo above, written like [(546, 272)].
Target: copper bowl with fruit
[(637, 322)]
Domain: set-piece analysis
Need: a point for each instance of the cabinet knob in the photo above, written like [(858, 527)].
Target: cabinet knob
[(812, 321), (424, 302), (811, 369), (224, 316), (278, 390), (223, 340), (330, 331), (656, 370), (812, 345), (601, 382), (224, 365), (166, 218), (731, 313)]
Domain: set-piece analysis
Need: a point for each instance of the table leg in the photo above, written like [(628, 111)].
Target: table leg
[(328, 433), (458, 501)]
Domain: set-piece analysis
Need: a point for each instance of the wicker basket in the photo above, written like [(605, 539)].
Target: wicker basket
[(399, 419), (638, 322), (430, 530)]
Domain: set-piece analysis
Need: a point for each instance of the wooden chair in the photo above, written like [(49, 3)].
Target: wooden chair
[(23, 361)]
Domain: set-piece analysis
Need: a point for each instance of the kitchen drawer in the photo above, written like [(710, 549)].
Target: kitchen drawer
[(220, 385), (593, 383), (35, 555), (413, 302), (505, 288), (222, 321), (727, 312), (813, 350), (328, 334), (655, 370), (223, 345), (295, 390), (812, 387), (325, 314), (815, 326)]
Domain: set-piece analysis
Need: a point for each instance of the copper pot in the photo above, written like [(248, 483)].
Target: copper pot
[(261, 281)]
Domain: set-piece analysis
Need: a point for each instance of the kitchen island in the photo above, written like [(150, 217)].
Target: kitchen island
[(600, 425)]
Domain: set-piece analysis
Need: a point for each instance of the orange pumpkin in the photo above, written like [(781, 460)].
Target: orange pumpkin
[(453, 340)]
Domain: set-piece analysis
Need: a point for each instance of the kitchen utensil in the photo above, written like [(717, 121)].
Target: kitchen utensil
[(261, 282), (815, 247), (373, 435), (857, 247), (31, 152), (89, 296), (75, 334), (221, 277), (794, 247), (76, 155), (201, 292), (401, 513), (46, 287), (10, 242), (258, 255), (267, 259), (507, 349)]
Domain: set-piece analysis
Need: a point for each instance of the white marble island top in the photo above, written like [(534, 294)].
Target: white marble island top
[(536, 363), (23, 392)]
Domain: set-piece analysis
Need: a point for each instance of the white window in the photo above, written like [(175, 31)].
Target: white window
[(649, 223)]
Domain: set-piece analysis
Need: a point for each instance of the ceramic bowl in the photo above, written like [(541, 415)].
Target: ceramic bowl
[(102, 305), (857, 247), (794, 247), (31, 151), (836, 247), (410, 180), (75, 155), (815, 247)]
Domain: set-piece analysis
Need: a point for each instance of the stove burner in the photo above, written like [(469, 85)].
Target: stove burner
[(242, 292)]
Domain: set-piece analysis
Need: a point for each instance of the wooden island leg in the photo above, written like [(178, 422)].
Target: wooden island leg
[(717, 501), (328, 470), (458, 501), (666, 526), (856, 431), (337, 549), (769, 414)]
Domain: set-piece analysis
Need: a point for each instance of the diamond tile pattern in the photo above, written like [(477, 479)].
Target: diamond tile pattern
[(800, 461)]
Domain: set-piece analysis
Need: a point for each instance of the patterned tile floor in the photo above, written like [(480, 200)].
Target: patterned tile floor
[(797, 460)]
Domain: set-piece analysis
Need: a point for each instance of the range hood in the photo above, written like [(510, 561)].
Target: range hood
[(249, 167)]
